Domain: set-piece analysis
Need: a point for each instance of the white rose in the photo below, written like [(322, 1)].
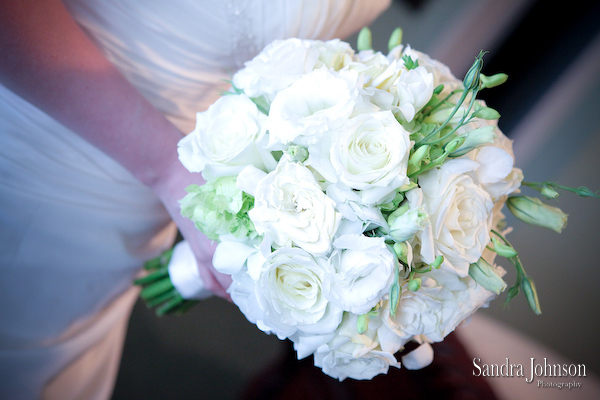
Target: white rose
[(316, 103), (279, 65), (363, 272), (225, 139), (369, 153), (352, 355), (435, 310), (289, 292), (292, 209), (460, 212), (412, 91)]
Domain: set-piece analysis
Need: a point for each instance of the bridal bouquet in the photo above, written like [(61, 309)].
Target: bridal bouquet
[(356, 199)]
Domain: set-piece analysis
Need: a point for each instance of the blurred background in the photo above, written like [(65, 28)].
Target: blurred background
[(549, 107)]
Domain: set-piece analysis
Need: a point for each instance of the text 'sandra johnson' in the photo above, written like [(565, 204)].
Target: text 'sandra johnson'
[(536, 369)]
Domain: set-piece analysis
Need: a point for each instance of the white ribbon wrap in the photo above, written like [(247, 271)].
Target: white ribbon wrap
[(183, 272)]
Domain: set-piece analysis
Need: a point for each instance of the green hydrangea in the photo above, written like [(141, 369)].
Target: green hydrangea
[(219, 207)]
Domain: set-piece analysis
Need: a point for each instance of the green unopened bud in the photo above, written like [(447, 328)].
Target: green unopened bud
[(493, 81), (585, 192), (401, 251), (419, 155), (405, 223), (409, 186), (364, 40), (297, 153), (362, 323), (472, 80), (548, 192), (454, 144), (395, 39), (392, 205), (475, 138), (503, 250), (485, 274), (395, 295), (534, 212), (414, 284), (487, 113), (437, 262), (531, 294)]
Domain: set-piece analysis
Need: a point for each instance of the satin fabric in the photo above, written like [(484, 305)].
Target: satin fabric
[(75, 226)]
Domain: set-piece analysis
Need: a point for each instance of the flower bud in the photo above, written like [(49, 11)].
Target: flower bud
[(362, 323), (531, 294), (395, 39), (472, 80), (437, 262), (395, 295), (485, 274), (503, 249), (392, 205), (548, 192), (533, 211), (493, 81), (454, 144), (297, 153), (585, 192), (475, 138), (405, 223), (414, 284), (364, 40), (401, 251), (487, 113), (419, 155)]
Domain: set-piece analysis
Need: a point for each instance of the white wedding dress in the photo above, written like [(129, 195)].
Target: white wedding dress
[(75, 226)]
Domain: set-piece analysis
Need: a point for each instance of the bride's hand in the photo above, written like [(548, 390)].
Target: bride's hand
[(170, 188)]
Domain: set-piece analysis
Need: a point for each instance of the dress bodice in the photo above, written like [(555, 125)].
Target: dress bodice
[(180, 53)]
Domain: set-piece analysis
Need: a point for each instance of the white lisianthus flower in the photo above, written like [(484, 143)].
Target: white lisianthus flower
[(317, 103), (227, 138), (333, 54), (412, 91), (289, 292), (497, 173), (363, 272), (435, 310), (292, 209), (460, 212), (378, 71), (350, 205), (352, 355), (279, 65), (441, 73)]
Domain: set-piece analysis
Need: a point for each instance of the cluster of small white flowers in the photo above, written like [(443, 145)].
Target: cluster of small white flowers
[(322, 138)]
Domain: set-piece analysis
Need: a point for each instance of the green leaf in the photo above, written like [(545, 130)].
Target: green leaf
[(409, 63)]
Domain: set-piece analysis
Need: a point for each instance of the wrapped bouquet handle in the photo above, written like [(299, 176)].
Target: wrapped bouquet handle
[(173, 283)]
